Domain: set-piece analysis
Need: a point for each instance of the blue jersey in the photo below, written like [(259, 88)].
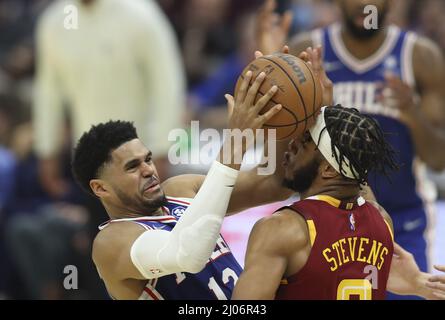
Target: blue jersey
[(215, 282), (409, 195), (356, 85)]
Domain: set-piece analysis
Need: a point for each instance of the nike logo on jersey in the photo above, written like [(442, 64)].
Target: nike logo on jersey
[(411, 225), (332, 66)]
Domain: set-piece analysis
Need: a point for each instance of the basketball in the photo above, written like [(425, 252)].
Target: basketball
[(299, 92)]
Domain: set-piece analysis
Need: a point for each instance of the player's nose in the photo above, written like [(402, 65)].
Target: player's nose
[(147, 169), (293, 146)]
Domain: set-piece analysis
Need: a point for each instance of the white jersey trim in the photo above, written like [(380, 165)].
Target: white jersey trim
[(362, 65), (407, 59)]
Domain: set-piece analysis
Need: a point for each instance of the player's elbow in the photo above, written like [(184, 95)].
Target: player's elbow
[(194, 265), (437, 164)]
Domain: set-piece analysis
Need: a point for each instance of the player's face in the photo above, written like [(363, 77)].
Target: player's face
[(133, 178), (354, 16), (301, 164)]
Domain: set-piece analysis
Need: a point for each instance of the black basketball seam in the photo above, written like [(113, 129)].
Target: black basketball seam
[(296, 119), (288, 110), (288, 134), (297, 122), (296, 87)]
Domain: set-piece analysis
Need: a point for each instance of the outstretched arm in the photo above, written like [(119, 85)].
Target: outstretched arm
[(187, 248), (405, 278), (424, 115), (253, 189), (271, 242)]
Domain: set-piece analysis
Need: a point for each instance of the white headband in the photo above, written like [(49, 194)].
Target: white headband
[(324, 145)]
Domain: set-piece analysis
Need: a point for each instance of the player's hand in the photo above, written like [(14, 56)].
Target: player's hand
[(405, 277), (437, 283), (403, 273), (259, 53), (314, 59), (243, 111), (271, 29), (400, 96)]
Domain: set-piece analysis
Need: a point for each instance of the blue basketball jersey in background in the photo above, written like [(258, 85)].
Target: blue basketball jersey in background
[(408, 196)]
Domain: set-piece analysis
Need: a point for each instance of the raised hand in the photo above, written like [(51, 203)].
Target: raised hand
[(243, 111), (271, 28), (405, 278), (314, 59)]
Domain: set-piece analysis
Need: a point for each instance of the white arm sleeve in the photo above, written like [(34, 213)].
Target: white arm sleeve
[(189, 245)]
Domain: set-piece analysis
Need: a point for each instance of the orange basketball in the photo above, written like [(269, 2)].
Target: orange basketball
[(299, 92)]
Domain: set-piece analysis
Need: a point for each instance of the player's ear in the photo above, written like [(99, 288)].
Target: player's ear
[(99, 187), (328, 171)]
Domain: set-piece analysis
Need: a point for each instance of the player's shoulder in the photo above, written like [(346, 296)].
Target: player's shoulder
[(183, 186), (426, 51), (300, 42), (112, 239), (285, 228)]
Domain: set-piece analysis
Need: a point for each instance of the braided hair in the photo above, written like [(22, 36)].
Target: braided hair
[(358, 138)]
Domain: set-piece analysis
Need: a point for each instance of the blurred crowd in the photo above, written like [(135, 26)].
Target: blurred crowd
[(44, 230)]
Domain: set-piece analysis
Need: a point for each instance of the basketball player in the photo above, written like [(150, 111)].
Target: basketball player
[(410, 70), (160, 244), (332, 244)]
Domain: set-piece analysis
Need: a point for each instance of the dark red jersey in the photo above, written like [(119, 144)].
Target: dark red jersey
[(350, 258)]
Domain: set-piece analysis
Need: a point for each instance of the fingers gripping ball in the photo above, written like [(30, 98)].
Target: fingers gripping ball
[(299, 92)]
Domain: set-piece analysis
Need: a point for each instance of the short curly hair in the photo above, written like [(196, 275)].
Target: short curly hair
[(94, 149)]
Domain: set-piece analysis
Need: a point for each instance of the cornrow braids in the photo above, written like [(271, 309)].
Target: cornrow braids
[(359, 138)]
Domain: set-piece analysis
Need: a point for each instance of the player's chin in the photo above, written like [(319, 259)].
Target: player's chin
[(153, 193)]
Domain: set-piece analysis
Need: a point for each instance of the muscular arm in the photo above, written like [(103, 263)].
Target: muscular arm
[(111, 256), (405, 277), (251, 189), (271, 242), (427, 123)]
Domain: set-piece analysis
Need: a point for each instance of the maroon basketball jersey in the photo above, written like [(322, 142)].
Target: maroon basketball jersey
[(350, 258)]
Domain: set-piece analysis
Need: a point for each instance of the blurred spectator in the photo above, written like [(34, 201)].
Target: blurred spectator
[(121, 62), (17, 22), (39, 236), (207, 98)]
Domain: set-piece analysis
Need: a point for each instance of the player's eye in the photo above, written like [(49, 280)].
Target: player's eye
[(148, 160)]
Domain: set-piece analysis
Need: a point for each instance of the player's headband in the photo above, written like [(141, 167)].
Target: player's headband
[(320, 135)]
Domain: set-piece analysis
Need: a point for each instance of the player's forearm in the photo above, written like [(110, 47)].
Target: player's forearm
[(231, 153), (189, 245), (421, 289), (428, 140)]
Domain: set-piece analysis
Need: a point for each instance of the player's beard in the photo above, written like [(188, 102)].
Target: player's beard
[(144, 206), (360, 32), (304, 177)]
